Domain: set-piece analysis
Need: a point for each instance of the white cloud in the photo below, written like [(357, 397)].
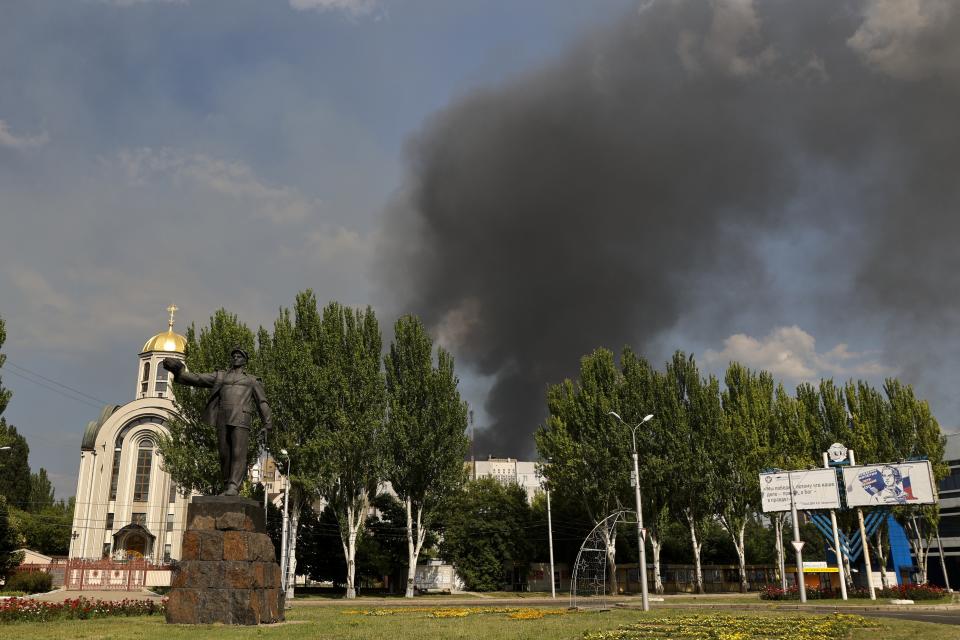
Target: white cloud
[(352, 7), (8, 139), (233, 179), (791, 353), (908, 39)]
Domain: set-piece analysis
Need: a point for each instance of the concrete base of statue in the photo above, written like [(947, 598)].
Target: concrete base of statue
[(227, 571)]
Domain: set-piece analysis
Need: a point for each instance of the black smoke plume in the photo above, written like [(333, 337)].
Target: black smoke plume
[(625, 188)]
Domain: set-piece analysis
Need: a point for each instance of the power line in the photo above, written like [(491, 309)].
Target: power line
[(59, 384), (55, 390)]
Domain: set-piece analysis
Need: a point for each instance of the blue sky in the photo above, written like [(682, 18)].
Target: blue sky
[(233, 152)]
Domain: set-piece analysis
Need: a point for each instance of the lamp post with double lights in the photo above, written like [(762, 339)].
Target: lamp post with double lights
[(641, 537)]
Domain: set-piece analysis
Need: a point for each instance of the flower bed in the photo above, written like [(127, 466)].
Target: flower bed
[(902, 592), (514, 613), (733, 627), (30, 610)]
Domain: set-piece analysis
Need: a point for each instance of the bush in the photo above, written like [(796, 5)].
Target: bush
[(30, 582), (913, 592), (902, 592)]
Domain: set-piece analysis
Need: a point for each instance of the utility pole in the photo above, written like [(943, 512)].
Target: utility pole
[(836, 539), (863, 538), (553, 586), (284, 537), (797, 542)]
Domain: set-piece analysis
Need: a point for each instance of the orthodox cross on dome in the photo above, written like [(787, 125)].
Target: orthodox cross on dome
[(172, 309)]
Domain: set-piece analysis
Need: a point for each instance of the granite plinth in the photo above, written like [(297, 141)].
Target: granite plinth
[(228, 571)]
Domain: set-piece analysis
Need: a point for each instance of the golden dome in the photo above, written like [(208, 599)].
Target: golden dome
[(168, 340)]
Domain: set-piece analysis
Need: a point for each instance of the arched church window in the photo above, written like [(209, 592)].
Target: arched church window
[(115, 471), (162, 375), (141, 483), (146, 377)]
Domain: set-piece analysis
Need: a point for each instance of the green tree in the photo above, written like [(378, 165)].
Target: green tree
[(485, 534), (41, 491), (10, 558), (14, 468), (789, 446), (426, 440), (638, 398), (289, 360), (587, 450), (190, 451), (691, 406), (4, 393), (919, 437), (350, 465), (47, 529), (739, 450)]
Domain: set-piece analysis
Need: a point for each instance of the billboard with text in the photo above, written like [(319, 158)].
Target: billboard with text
[(812, 489)]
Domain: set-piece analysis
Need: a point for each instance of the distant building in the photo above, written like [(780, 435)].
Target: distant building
[(949, 520), (508, 471), (127, 505)]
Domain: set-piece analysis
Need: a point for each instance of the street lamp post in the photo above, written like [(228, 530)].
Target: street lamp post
[(284, 543), (641, 537)]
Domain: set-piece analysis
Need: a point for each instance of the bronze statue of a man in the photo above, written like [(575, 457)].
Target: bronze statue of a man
[(228, 409)]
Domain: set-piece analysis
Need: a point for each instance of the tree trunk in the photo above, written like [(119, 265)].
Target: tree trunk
[(847, 570), (736, 535), (882, 559), (920, 551), (292, 527), (657, 578), (742, 555), (697, 569), (610, 540), (781, 564), (413, 548), (355, 519)]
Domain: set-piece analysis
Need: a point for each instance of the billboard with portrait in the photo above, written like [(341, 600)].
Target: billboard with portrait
[(812, 489), (901, 483)]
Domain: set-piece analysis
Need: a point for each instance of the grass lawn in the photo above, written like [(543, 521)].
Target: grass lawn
[(350, 623)]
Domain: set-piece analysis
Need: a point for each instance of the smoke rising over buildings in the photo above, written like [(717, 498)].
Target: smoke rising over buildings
[(629, 186)]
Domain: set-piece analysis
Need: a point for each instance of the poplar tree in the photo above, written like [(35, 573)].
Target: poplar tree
[(637, 399), (426, 440), (14, 467), (587, 450), (738, 452), (350, 465), (290, 360), (789, 446), (691, 405)]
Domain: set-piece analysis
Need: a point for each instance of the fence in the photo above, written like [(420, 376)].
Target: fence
[(103, 575)]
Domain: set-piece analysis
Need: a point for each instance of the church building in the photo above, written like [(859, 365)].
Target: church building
[(127, 506)]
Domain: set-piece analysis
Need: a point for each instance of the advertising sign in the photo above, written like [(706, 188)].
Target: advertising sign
[(812, 489), (889, 484)]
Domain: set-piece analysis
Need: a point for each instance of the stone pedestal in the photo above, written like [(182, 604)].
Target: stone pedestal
[(227, 570)]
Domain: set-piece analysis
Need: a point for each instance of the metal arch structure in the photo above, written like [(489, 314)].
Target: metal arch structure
[(589, 578)]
